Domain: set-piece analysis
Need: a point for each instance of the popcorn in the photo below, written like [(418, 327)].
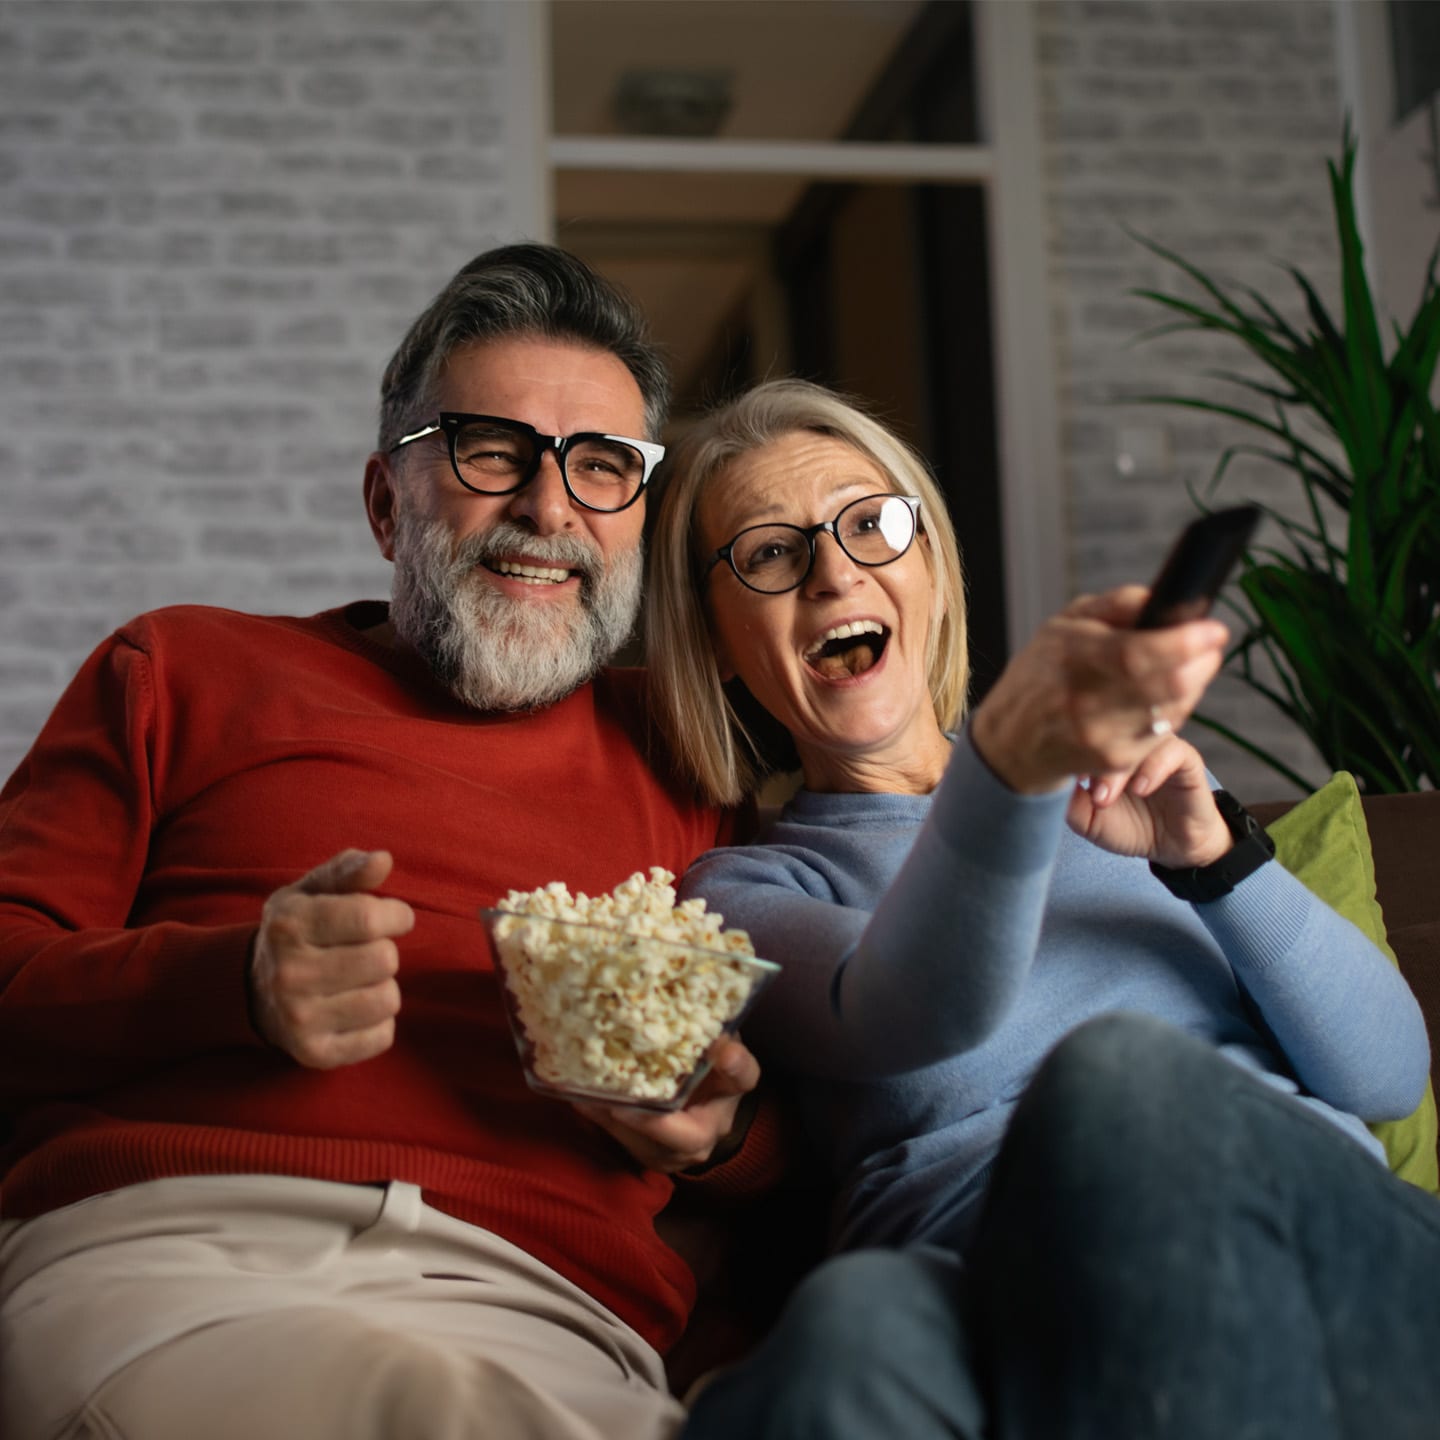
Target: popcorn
[(626, 1007)]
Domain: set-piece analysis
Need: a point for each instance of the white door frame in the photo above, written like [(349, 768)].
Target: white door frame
[(529, 170)]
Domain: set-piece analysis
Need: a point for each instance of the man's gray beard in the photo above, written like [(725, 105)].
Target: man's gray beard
[(494, 652)]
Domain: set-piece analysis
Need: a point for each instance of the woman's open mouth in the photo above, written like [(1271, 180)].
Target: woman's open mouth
[(845, 651)]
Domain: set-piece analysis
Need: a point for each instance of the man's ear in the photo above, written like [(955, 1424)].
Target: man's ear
[(381, 501)]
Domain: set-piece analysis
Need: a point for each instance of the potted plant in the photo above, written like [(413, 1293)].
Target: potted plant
[(1345, 603)]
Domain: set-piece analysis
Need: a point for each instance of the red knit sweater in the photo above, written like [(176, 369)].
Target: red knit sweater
[(200, 760)]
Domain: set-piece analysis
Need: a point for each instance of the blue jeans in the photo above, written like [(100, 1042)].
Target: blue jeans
[(1171, 1248)]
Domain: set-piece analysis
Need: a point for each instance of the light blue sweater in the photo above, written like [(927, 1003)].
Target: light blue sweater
[(936, 947)]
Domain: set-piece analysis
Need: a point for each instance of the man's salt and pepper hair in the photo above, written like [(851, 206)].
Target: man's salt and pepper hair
[(514, 291)]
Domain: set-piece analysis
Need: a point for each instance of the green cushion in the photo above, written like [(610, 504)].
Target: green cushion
[(1324, 842)]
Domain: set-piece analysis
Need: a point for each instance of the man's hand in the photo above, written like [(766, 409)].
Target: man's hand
[(322, 976), (676, 1140)]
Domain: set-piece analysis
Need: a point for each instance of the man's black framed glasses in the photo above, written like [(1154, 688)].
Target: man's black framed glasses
[(873, 530), (495, 456)]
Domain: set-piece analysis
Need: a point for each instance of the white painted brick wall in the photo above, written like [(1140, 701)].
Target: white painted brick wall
[(1207, 127), (217, 218)]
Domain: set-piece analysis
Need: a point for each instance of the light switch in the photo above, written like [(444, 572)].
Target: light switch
[(1143, 450)]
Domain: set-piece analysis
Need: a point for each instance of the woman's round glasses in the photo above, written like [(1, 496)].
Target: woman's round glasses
[(495, 456), (772, 559)]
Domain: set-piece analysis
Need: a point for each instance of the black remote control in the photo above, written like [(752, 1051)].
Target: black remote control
[(1197, 566)]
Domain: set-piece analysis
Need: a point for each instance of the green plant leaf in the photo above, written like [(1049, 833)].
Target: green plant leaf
[(1340, 631), (1210, 407), (1362, 330), (1235, 738)]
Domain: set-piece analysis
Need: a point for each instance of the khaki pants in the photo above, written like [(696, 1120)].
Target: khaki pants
[(236, 1307)]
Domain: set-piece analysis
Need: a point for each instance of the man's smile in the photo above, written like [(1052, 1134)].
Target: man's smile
[(531, 572)]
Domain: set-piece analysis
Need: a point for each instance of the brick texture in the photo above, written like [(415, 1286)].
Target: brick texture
[(219, 217), (1205, 126)]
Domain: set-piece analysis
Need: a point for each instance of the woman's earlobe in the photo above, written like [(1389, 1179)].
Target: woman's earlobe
[(723, 668)]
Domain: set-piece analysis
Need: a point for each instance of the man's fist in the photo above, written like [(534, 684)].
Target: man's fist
[(322, 976)]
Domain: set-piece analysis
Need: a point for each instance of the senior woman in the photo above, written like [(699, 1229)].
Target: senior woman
[(1097, 1127)]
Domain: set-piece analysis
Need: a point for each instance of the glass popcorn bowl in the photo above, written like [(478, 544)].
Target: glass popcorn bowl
[(603, 1013)]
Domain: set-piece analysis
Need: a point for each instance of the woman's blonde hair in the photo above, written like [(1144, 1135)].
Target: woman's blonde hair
[(720, 737)]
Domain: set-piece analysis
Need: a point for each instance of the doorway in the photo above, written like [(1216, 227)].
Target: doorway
[(878, 288)]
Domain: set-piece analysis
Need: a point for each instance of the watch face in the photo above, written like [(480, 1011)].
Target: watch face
[(1253, 847), (1243, 825), (1231, 810)]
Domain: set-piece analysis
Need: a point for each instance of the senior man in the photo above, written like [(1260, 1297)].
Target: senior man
[(272, 1169)]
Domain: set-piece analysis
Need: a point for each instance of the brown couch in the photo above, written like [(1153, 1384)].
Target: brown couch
[(746, 1260), (1405, 838)]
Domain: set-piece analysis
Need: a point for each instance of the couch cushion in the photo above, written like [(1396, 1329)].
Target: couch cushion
[(1325, 842)]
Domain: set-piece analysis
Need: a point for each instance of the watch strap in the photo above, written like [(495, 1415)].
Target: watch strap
[(1253, 846)]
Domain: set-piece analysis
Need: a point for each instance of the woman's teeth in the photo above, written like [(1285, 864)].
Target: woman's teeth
[(843, 632), (847, 650)]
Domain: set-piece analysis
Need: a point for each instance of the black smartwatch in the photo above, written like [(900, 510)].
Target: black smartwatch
[(1252, 848)]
